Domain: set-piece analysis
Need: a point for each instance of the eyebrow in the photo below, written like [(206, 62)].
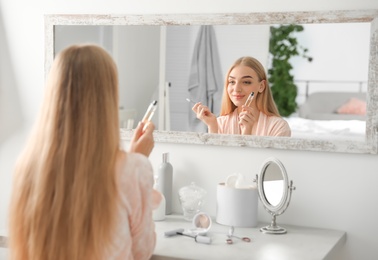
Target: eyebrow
[(244, 77)]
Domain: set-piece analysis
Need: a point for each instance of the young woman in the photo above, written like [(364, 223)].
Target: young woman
[(260, 117), (76, 195)]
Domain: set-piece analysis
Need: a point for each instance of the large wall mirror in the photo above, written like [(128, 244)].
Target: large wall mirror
[(159, 50)]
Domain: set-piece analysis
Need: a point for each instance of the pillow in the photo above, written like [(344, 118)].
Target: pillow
[(353, 106)]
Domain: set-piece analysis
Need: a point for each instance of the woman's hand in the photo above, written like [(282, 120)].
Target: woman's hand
[(143, 139), (247, 119), (204, 114)]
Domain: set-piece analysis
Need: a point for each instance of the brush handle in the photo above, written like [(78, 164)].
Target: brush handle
[(202, 239), (197, 238), (173, 232), (191, 101)]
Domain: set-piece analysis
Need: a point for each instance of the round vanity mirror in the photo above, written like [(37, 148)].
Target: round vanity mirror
[(273, 184), (274, 192)]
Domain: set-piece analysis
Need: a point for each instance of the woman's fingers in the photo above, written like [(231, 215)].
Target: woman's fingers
[(143, 140), (138, 131), (149, 128), (196, 106), (200, 110), (247, 116), (203, 112)]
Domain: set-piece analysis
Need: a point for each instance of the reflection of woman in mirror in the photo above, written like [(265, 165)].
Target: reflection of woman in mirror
[(261, 117), (76, 194)]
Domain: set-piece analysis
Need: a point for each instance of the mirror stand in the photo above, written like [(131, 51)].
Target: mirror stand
[(274, 192), (273, 228)]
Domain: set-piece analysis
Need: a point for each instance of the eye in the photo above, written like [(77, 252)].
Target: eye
[(247, 82), (231, 82)]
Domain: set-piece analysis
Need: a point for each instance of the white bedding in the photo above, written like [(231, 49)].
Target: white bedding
[(327, 129)]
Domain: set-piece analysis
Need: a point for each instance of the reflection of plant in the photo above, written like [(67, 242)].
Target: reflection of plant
[(282, 46)]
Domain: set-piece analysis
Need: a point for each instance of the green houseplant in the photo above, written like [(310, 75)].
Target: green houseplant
[(283, 45)]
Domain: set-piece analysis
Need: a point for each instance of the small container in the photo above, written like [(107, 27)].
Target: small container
[(237, 207), (201, 224), (191, 199)]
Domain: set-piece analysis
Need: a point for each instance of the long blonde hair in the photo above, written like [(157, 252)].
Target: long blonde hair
[(64, 198), (264, 100)]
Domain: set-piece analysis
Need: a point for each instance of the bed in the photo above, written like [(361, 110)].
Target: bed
[(331, 115), (334, 106), (353, 130)]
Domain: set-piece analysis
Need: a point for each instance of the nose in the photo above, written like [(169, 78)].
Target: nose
[(237, 87)]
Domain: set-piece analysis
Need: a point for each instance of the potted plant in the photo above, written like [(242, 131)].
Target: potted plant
[(283, 45)]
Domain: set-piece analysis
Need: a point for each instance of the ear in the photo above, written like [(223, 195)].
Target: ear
[(262, 86)]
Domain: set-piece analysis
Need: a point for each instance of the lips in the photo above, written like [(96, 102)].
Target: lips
[(239, 97)]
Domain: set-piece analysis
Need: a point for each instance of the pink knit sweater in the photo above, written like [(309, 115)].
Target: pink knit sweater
[(135, 237), (266, 125)]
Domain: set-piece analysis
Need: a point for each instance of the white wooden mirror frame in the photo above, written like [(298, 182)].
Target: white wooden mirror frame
[(369, 146)]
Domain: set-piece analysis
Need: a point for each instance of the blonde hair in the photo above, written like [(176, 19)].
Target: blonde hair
[(264, 100), (64, 198)]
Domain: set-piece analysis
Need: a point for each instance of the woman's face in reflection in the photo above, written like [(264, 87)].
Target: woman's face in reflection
[(242, 80)]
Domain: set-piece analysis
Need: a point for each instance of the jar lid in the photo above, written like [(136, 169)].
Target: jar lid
[(192, 190)]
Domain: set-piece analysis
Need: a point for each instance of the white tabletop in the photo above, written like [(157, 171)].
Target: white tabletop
[(298, 243)]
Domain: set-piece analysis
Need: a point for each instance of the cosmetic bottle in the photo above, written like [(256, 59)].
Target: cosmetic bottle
[(165, 175), (158, 214)]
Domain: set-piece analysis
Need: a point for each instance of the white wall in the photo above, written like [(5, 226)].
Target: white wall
[(334, 190), (340, 52)]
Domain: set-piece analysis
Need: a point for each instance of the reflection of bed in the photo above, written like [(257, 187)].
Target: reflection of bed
[(353, 130), (324, 106)]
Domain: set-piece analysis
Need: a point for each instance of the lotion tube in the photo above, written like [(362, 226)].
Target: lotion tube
[(165, 177), (158, 214)]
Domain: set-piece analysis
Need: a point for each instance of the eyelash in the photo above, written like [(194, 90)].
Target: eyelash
[(244, 82)]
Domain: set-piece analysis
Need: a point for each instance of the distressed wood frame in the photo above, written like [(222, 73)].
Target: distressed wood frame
[(368, 146)]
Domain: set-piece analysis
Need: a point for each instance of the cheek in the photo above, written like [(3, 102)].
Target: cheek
[(229, 89), (253, 87)]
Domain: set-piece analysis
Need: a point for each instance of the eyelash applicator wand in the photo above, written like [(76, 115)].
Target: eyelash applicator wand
[(149, 113), (249, 99), (190, 101)]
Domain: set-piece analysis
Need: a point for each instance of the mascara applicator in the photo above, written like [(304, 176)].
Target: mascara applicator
[(249, 99), (150, 111), (190, 101)]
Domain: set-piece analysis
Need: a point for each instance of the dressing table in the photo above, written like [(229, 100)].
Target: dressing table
[(260, 242), (299, 243)]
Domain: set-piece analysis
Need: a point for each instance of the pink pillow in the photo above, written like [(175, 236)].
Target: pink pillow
[(354, 106)]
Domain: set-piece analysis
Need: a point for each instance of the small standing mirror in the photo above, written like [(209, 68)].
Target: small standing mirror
[(274, 192)]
